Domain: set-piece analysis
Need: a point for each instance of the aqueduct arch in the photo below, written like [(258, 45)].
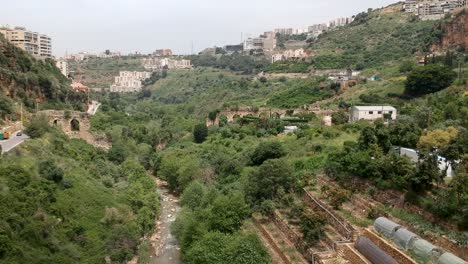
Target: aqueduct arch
[(73, 123)]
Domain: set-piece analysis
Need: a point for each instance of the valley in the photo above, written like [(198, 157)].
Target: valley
[(345, 144)]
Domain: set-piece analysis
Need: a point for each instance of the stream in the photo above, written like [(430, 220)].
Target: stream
[(165, 248)]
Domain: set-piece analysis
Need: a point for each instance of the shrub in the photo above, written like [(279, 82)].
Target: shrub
[(50, 171), (200, 132), (429, 79), (38, 126), (266, 151)]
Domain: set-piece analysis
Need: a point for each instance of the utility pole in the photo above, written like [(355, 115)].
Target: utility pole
[(21, 107)]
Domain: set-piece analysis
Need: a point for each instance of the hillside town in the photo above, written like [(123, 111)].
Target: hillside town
[(340, 142)]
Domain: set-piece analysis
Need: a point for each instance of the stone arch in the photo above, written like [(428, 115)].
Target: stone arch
[(74, 125), (56, 122)]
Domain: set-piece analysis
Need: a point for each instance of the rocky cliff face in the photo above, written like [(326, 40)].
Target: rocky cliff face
[(455, 33)]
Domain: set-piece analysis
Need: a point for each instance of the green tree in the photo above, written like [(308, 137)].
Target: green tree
[(269, 179), (312, 225), (118, 153), (192, 196), (228, 212), (212, 116), (200, 132), (426, 173), (340, 118), (267, 150), (38, 126), (50, 171), (429, 79)]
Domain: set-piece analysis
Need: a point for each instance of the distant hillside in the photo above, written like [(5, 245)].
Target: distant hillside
[(28, 80), (100, 72), (375, 37)]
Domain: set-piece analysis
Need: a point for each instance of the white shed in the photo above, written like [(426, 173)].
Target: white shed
[(372, 112)]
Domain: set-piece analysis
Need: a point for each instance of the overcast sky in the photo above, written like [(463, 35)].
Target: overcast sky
[(146, 25)]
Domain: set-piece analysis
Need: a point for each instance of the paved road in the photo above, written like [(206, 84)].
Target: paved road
[(13, 142)]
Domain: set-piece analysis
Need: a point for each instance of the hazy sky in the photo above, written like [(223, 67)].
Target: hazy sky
[(145, 25)]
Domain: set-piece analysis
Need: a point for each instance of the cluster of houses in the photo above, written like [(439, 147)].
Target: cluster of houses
[(286, 55), (267, 42), (157, 63), (129, 81), (433, 9)]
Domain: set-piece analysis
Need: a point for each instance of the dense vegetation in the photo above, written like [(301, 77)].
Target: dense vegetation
[(63, 201), (236, 62), (26, 79), (375, 37)]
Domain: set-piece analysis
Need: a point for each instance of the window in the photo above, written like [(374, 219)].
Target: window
[(380, 112), (390, 112), (371, 112)]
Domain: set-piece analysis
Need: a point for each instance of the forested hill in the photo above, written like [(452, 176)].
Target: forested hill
[(375, 37), (27, 79)]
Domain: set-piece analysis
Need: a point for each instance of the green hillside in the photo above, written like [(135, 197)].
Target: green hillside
[(63, 201), (100, 72), (27, 79), (375, 37)]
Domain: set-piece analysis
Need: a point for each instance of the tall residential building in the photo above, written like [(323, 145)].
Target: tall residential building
[(411, 6), (38, 45), (284, 31)]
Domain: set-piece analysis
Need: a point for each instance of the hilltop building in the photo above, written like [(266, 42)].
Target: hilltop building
[(289, 55), (77, 86), (155, 64), (284, 31), (432, 9), (62, 64), (163, 53), (231, 49), (34, 43), (372, 113), (129, 81)]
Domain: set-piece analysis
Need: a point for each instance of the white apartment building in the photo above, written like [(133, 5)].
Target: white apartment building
[(341, 21), (128, 81), (38, 45), (432, 9), (288, 55), (284, 31), (154, 64), (371, 112), (317, 28), (62, 64), (254, 43)]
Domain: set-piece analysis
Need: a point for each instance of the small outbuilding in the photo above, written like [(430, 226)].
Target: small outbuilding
[(386, 227), (372, 252), (404, 238), (449, 258)]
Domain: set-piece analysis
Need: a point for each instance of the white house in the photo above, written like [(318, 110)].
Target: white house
[(413, 155), (371, 112)]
